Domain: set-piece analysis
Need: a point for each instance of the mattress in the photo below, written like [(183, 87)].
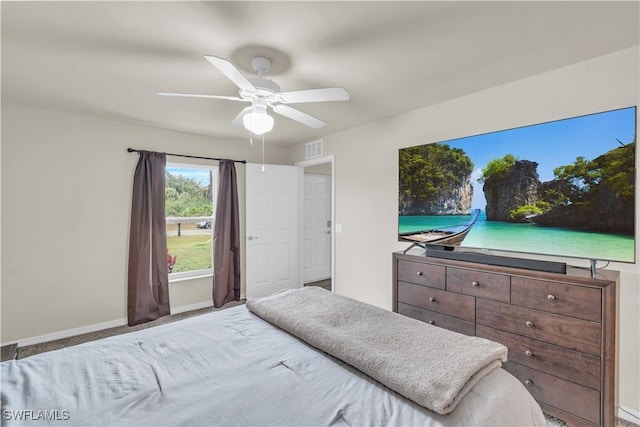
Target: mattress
[(228, 368)]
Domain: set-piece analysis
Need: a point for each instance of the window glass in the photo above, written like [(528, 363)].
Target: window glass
[(189, 198)]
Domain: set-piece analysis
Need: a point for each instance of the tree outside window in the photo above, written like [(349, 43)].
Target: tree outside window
[(189, 198)]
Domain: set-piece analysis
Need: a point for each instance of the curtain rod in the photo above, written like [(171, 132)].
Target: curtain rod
[(133, 150)]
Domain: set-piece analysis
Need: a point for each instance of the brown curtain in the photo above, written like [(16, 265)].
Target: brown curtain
[(148, 286), (226, 238)]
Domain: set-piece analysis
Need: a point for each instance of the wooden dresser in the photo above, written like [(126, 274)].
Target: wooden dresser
[(559, 329)]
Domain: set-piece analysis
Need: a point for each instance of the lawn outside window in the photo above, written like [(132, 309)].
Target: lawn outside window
[(189, 204)]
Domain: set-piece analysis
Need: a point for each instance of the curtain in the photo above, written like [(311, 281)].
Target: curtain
[(226, 238), (148, 276)]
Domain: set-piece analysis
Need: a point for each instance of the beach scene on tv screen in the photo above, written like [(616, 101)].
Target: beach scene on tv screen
[(563, 188)]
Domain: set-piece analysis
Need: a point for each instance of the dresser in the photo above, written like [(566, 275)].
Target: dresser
[(560, 329)]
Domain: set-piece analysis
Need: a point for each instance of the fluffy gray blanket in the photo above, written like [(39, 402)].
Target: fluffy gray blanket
[(432, 366)]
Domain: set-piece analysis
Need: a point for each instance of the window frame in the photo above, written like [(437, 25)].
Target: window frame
[(207, 272)]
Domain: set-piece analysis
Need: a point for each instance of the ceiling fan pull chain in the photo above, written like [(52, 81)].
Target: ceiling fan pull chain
[(262, 152)]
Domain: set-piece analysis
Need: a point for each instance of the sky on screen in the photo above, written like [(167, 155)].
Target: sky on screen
[(551, 144)]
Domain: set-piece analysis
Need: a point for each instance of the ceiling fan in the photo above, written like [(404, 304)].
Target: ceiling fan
[(263, 93)]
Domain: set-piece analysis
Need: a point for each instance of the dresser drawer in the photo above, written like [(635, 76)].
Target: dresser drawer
[(437, 319), (456, 305), (580, 368), (569, 300), (421, 274), (558, 393), (576, 334), (479, 284)]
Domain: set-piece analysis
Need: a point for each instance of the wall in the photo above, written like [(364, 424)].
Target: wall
[(66, 190), (366, 176)]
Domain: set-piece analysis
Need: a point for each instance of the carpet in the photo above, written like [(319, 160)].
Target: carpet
[(30, 350)]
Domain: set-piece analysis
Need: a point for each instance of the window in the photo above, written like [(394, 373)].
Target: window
[(189, 198)]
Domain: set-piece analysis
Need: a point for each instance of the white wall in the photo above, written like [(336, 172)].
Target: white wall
[(66, 197), (367, 176)]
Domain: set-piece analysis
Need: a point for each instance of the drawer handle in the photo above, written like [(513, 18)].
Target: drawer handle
[(475, 284), (432, 322), (528, 353), (432, 299), (551, 297), (529, 323), (419, 273), (528, 382)]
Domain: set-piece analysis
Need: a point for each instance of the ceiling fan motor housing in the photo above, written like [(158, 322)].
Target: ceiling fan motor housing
[(265, 88), (260, 64)]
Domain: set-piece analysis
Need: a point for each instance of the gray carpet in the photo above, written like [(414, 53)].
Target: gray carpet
[(30, 350), (555, 422), (321, 283)]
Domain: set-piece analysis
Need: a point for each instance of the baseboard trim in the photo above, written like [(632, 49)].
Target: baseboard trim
[(69, 332), (96, 327), (191, 307), (629, 415)]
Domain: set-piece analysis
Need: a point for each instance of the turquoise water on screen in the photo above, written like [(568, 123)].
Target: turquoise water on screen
[(530, 237)]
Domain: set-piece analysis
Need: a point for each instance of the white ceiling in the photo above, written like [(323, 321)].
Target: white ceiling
[(109, 58)]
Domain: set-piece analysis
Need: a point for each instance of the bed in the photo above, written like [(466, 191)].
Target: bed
[(233, 367)]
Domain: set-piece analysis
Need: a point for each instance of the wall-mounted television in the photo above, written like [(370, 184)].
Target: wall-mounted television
[(564, 188)]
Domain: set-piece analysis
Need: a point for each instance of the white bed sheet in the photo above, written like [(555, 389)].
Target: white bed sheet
[(228, 368)]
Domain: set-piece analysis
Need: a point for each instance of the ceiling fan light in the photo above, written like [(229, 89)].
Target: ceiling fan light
[(257, 122)]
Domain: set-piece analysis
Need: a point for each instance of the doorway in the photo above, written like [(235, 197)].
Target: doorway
[(317, 213)]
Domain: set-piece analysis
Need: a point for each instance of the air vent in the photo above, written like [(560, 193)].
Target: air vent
[(314, 149)]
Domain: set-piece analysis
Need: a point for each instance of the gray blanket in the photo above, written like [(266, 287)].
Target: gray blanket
[(432, 366)]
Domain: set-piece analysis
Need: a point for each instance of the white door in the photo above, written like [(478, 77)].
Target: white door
[(272, 229), (317, 228)]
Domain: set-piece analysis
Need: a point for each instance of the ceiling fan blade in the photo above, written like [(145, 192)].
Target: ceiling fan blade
[(195, 95), (230, 70), (314, 95), (298, 116)]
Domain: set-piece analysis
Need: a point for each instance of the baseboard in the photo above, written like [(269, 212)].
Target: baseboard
[(96, 327), (69, 332), (191, 307), (629, 415)]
